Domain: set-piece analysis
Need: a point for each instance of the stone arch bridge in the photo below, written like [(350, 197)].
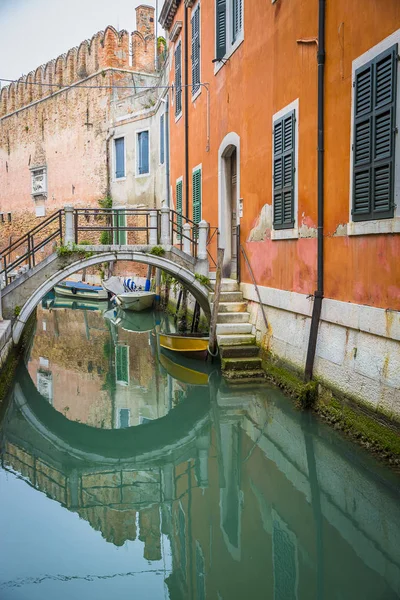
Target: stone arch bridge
[(183, 261)]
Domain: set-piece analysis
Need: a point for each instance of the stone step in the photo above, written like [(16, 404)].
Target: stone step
[(242, 339), (239, 351), (239, 317), (252, 363), (234, 328), (227, 307), (227, 285), (245, 377), (227, 297)]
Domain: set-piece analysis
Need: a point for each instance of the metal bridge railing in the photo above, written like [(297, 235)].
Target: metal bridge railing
[(24, 250)]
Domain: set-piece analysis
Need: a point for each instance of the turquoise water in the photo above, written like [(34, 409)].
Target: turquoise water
[(127, 474)]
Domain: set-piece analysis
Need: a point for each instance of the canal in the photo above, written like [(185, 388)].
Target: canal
[(127, 474)]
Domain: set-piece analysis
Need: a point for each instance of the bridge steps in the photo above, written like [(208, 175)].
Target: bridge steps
[(240, 360)]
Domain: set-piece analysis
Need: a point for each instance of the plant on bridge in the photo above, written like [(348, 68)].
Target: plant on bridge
[(17, 311), (157, 251), (203, 280), (71, 249)]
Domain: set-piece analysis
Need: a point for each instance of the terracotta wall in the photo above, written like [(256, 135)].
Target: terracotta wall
[(269, 70)]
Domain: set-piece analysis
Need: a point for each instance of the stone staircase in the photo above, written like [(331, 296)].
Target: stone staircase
[(240, 360)]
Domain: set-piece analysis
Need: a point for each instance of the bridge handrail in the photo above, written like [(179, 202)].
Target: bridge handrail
[(8, 265)]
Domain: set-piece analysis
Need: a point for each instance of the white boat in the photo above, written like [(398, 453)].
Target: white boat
[(138, 300)]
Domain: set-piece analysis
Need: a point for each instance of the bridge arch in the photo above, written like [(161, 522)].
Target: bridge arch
[(179, 272)]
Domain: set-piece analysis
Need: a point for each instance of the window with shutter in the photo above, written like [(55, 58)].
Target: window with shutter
[(196, 195), (196, 50), (220, 28), (237, 19), (178, 79), (179, 187), (374, 137), (143, 153), (162, 143), (119, 145), (283, 171)]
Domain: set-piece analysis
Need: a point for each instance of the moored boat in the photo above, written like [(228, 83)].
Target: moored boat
[(191, 345), (80, 289), (137, 300)]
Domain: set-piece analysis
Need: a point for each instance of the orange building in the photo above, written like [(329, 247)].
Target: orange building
[(315, 208)]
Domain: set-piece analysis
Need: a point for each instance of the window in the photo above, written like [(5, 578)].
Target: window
[(178, 80), (124, 418), (39, 181), (196, 195), (45, 385), (162, 140), (196, 50), (229, 26), (119, 145), (284, 171), (374, 127), (142, 147), (179, 188), (122, 364)]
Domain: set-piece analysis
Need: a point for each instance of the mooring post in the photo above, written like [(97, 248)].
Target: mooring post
[(187, 246), (69, 237), (153, 228), (203, 234), (165, 230)]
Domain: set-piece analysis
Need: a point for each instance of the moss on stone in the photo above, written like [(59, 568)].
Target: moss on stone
[(376, 437), (291, 382)]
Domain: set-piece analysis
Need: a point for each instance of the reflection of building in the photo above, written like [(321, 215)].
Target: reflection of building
[(255, 501), (97, 373)]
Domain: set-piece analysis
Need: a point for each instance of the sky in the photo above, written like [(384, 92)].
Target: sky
[(33, 32)]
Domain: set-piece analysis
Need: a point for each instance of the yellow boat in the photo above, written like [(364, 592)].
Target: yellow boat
[(183, 373), (191, 345)]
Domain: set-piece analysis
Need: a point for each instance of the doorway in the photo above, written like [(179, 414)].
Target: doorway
[(229, 189)]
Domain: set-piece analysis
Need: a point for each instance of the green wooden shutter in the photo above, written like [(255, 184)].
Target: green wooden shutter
[(196, 50), (196, 195), (374, 137), (178, 79), (179, 186), (237, 18), (283, 167), (220, 28)]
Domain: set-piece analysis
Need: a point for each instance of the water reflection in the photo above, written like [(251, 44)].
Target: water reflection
[(228, 492)]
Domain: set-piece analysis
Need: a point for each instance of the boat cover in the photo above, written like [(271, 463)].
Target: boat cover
[(113, 285)]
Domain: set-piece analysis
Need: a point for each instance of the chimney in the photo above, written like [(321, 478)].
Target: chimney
[(145, 20)]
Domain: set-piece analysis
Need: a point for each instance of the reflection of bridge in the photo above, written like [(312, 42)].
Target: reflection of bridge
[(183, 250), (230, 475)]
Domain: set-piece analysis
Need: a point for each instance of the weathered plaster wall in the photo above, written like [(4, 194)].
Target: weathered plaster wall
[(270, 69)]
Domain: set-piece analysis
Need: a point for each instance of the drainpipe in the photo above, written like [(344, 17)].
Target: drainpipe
[(186, 113), (166, 121), (319, 292)]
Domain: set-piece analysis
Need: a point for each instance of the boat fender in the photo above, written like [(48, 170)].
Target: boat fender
[(74, 290)]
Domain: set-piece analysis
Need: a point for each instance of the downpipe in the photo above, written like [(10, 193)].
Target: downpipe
[(319, 293), (186, 25)]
